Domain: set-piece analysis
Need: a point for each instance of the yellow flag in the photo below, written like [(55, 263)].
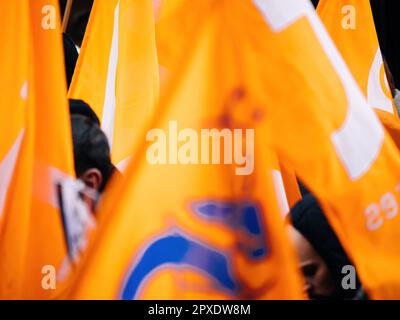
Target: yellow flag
[(34, 256), (285, 184), (351, 26), (16, 167), (14, 82), (117, 71), (290, 184), (172, 55), (198, 216), (321, 123)]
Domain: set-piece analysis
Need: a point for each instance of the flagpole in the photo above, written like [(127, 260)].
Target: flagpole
[(67, 14)]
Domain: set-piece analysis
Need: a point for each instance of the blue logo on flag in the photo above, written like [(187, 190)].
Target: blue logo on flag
[(182, 251)]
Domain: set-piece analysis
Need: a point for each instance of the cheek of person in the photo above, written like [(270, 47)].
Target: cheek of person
[(319, 283)]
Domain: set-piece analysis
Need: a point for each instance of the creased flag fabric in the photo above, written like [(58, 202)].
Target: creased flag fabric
[(32, 241), (290, 184), (170, 56), (323, 127), (351, 26), (16, 169), (285, 182), (15, 82), (117, 71), (208, 230)]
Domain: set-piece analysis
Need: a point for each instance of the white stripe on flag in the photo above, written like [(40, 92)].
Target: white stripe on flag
[(359, 140), (376, 97), (123, 164), (110, 95), (280, 192)]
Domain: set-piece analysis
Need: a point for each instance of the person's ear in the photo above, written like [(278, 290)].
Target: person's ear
[(92, 178)]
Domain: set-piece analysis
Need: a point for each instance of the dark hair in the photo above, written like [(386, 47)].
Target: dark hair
[(82, 108), (308, 218), (91, 148)]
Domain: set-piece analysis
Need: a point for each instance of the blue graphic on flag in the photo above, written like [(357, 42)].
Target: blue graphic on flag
[(177, 249), (241, 217), (180, 250)]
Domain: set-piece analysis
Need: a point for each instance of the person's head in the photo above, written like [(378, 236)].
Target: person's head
[(82, 108), (91, 149), (319, 282), (320, 253)]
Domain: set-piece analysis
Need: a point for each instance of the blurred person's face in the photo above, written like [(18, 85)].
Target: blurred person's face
[(319, 283)]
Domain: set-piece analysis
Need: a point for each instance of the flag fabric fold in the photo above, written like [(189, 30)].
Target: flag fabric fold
[(117, 71), (209, 229), (350, 23), (322, 125), (32, 238)]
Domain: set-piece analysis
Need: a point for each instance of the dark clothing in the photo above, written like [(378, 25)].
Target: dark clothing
[(70, 57)]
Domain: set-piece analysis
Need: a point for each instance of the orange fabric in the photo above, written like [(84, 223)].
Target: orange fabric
[(33, 236), (291, 185), (15, 61), (117, 71), (189, 214), (320, 123), (391, 124), (14, 82), (351, 26)]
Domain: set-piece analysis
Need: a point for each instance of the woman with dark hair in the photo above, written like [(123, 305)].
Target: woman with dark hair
[(321, 255)]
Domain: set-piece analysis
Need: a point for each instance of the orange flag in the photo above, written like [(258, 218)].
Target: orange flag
[(117, 71), (16, 147), (323, 127), (351, 26), (290, 184), (14, 82), (33, 249), (170, 56), (285, 183), (198, 217)]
